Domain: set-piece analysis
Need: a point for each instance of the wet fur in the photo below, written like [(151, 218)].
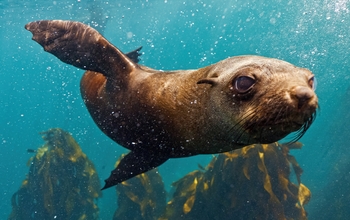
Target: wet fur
[(161, 115)]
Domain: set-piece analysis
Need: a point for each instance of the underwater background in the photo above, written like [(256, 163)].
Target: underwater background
[(39, 92)]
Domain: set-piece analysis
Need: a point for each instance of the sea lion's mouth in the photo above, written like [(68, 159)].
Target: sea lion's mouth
[(269, 131), (304, 127), (297, 128)]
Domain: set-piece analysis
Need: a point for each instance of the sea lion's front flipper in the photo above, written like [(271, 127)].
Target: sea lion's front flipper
[(80, 45), (133, 164)]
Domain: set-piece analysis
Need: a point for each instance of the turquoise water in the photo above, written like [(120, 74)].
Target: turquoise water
[(39, 92)]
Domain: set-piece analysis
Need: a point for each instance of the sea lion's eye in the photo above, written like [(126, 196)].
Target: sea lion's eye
[(313, 82), (244, 83)]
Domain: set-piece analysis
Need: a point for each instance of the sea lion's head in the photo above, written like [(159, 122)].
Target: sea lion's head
[(261, 100)]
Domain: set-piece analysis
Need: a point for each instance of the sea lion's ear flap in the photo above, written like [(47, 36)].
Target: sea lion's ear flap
[(80, 45), (211, 81)]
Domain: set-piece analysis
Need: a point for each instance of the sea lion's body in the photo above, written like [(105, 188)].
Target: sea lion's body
[(166, 107), (162, 109), (161, 115)]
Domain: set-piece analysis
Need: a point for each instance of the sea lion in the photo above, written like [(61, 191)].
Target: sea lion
[(159, 115)]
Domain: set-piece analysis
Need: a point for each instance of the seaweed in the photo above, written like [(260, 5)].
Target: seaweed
[(142, 197), (62, 182), (249, 183)]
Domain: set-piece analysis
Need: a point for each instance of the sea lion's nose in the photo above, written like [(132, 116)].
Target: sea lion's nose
[(303, 95)]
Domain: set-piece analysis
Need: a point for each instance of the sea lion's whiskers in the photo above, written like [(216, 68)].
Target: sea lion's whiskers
[(243, 119), (241, 130), (300, 132), (297, 135), (280, 113), (239, 123)]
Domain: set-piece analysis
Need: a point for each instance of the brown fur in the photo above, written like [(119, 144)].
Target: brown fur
[(160, 115)]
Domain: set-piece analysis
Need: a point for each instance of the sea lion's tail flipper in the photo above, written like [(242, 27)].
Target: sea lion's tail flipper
[(135, 54), (81, 46), (133, 164)]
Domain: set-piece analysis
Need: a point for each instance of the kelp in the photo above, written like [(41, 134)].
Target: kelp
[(62, 182), (250, 183), (141, 198)]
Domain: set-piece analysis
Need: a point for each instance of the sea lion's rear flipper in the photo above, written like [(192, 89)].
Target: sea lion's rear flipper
[(135, 54), (81, 46), (133, 164)]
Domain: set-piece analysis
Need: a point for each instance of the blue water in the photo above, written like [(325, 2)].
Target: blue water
[(39, 92)]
